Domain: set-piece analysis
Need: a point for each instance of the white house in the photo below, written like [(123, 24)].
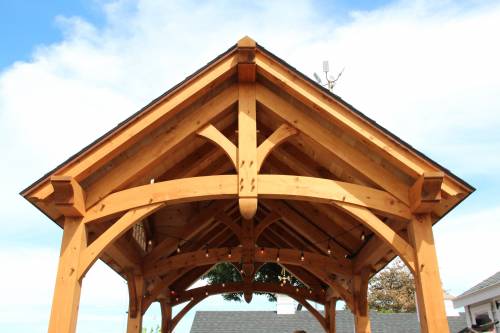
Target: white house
[(481, 301)]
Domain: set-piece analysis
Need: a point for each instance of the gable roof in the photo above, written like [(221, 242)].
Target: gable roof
[(269, 321), (486, 283)]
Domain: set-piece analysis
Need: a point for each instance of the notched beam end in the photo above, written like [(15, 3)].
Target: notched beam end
[(69, 197), (426, 192), (246, 60)]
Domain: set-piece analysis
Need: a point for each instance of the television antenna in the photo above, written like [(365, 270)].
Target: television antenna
[(330, 80)]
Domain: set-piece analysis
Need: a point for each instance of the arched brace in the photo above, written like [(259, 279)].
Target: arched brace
[(303, 293), (266, 222), (184, 311), (124, 223), (280, 135), (331, 281), (213, 256), (269, 186), (225, 219), (213, 134), (387, 234), (321, 319)]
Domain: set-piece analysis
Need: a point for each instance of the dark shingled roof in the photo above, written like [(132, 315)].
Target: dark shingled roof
[(269, 321), (492, 280)]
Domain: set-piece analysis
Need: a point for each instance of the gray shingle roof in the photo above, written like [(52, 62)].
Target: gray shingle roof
[(269, 321), (492, 280)]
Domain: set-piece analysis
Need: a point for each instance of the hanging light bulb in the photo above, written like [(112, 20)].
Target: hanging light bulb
[(278, 256), (302, 256), (229, 255), (261, 250), (363, 236), (223, 285), (329, 250), (297, 289), (177, 299), (310, 291), (178, 248), (206, 253), (206, 293)]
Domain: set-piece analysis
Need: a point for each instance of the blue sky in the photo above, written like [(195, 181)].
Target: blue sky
[(69, 71)]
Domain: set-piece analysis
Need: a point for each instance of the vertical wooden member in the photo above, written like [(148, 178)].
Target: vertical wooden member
[(69, 199), (430, 298), (166, 316), (247, 129), (248, 258), (361, 315), (136, 293), (330, 312), (66, 299)]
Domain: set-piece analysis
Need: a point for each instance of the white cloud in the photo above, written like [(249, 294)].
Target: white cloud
[(428, 72)]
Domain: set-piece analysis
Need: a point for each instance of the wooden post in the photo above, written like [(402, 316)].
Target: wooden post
[(136, 292), (68, 287), (330, 312), (166, 316), (361, 317), (427, 281)]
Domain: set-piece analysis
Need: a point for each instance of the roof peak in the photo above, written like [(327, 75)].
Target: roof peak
[(246, 42)]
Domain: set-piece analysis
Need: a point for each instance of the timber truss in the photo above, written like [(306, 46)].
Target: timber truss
[(247, 162)]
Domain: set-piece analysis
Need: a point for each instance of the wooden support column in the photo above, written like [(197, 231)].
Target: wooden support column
[(247, 129), (136, 293), (248, 258), (330, 312), (69, 199), (424, 195), (430, 300), (166, 316), (360, 291)]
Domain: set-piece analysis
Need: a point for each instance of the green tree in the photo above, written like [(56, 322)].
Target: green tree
[(227, 273), (392, 289)]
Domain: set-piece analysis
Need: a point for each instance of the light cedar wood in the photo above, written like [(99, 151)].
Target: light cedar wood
[(330, 311), (214, 135), (264, 223), (430, 299), (360, 291), (312, 310), (426, 192), (318, 100), (91, 253), (332, 143), (103, 151), (225, 187), (134, 323), (69, 197), (280, 135), (247, 151), (166, 316)]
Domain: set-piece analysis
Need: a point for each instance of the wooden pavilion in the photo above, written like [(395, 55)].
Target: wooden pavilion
[(247, 161)]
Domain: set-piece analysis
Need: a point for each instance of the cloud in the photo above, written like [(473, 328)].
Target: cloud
[(428, 72)]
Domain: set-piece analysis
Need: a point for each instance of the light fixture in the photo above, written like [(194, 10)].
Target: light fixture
[(229, 255), (278, 256), (223, 285), (310, 291), (329, 250), (178, 248), (363, 236), (302, 256), (261, 250), (206, 293), (177, 299), (206, 253)]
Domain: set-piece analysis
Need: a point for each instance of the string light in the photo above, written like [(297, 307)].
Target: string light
[(261, 250), (177, 299), (310, 291), (229, 255), (302, 256), (329, 250), (297, 289), (363, 236), (178, 248), (206, 253), (223, 285), (278, 256)]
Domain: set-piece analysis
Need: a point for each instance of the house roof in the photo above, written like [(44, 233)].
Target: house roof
[(269, 321), (489, 282)]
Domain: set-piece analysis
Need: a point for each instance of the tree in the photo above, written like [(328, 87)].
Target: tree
[(392, 289), (228, 273)]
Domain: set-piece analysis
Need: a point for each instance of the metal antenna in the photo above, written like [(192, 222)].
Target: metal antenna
[(330, 81)]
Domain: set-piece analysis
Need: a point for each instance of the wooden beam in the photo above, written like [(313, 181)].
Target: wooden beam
[(334, 144), (247, 151), (69, 197), (94, 250), (213, 134), (246, 60), (330, 311), (315, 313), (361, 315), (280, 135), (333, 110), (430, 300), (134, 323), (425, 194), (225, 219), (264, 223), (166, 316), (117, 141)]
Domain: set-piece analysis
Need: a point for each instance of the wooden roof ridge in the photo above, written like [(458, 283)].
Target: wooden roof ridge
[(245, 42)]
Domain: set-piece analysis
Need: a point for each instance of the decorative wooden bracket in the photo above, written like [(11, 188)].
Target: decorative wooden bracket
[(69, 197), (281, 134), (214, 135), (426, 192)]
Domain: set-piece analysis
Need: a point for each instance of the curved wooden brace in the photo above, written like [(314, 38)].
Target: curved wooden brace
[(280, 135), (286, 256), (383, 231), (304, 293), (344, 293), (270, 186), (266, 222), (321, 319), (199, 294), (213, 134), (225, 219), (124, 223)]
